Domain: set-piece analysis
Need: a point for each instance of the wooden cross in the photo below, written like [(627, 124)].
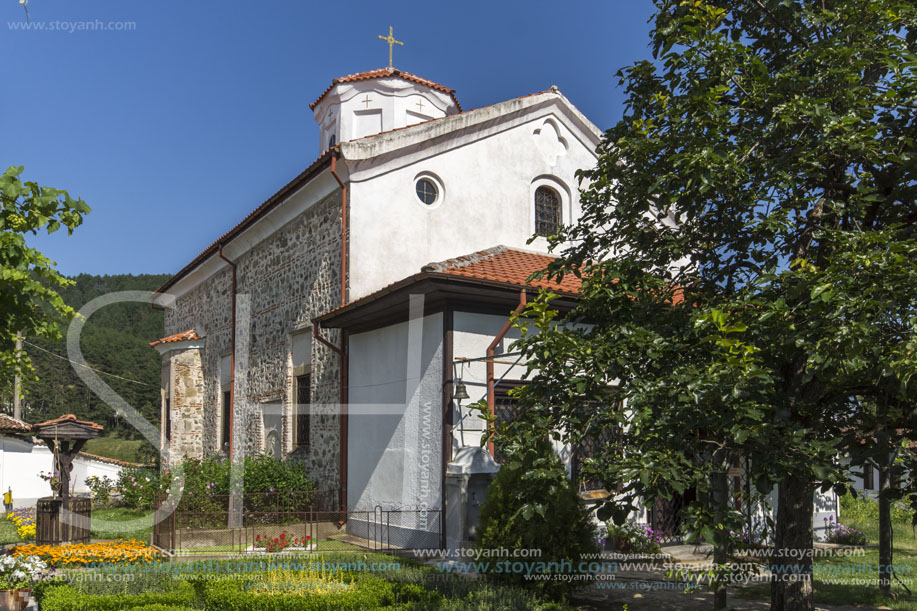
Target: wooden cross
[(390, 39), (366, 101), (420, 105)]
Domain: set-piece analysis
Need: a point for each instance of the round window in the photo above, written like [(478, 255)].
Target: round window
[(427, 191)]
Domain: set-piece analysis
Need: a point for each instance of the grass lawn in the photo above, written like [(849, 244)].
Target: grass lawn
[(121, 514), (8, 532), (115, 447), (848, 580)]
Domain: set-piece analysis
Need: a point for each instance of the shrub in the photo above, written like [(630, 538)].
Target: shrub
[(100, 487), (68, 598), (835, 532), (140, 486), (269, 484), (365, 592), (532, 505), (634, 538)]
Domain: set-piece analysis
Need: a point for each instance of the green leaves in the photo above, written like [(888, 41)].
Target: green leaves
[(823, 290), (748, 252), (28, 298)]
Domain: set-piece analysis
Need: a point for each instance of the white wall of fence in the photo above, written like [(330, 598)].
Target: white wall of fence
[(21, 461)]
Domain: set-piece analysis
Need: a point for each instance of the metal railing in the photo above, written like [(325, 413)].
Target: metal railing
[(319, 527)]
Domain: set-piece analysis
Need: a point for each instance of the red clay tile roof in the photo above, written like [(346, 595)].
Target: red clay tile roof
[(178, 337), (67, 418), (498, 264), (502, 264), (111, 461), (8, 424), (387, 73)]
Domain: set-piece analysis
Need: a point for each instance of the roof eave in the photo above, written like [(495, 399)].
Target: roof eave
[(338, 318)]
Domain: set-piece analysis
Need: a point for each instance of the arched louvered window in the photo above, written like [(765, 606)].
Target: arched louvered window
[(547, 211)]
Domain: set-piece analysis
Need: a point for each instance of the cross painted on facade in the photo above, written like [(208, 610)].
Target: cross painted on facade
[(420, 105), (390, 39), (366, 101)]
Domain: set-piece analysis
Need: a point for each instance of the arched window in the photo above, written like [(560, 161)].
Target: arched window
[(547, 211)]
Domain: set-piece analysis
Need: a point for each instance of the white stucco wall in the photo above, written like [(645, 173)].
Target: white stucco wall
[(472, 333), (488, 176), (21, 461), (394, 417)]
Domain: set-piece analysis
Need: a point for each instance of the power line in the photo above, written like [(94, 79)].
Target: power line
[(64, 358)]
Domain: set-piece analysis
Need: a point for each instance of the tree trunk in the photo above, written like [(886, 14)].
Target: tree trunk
[(721, 498), (885, 527), (791, 566)]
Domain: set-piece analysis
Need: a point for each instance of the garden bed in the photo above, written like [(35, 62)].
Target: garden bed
[(333, 581)]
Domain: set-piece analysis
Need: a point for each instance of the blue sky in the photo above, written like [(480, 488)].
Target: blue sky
[(176, 127)]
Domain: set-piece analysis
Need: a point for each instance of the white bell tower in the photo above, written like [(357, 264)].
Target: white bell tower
[(368, 103)]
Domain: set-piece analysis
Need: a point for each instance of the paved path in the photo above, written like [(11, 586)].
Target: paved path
[(652, 591), (676, 601)]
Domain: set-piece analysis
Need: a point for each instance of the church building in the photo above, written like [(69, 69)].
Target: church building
[(351, 317)]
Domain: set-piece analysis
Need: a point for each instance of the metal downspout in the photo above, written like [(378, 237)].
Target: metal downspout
[(342, 351), (491, 398)]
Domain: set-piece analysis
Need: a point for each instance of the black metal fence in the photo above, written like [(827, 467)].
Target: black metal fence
[(665, 519), (285, 526)]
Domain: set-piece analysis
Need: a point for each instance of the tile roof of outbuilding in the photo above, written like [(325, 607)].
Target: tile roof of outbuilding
[(8, 424), (499, 265), (190, 334)]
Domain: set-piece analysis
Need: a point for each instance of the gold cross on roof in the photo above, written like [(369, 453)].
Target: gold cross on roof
[(390, 39)]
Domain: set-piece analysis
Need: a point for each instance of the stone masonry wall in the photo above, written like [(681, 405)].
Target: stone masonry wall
[(284, 282), (187, 404)]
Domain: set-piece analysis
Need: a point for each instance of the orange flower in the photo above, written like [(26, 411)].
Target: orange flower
[(118, 551)]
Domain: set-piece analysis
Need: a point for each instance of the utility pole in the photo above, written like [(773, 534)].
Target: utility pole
[(17, 381)]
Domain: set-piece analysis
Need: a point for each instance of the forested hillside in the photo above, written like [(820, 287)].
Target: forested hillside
[(115, 340)]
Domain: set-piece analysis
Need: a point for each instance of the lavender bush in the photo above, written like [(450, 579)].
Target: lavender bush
[(835, 532), (747, 538)]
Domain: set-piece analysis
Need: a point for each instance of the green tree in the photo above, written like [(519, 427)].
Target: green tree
[(736, 246), (531, 504), (29, 300)]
